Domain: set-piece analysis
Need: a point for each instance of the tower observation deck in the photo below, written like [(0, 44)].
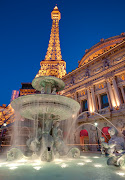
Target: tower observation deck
[(53, 65)]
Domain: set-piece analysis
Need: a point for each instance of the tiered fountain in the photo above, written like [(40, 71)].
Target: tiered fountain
[(48, 108)]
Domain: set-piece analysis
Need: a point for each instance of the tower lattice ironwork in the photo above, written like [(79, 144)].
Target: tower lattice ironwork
[(53, 65)]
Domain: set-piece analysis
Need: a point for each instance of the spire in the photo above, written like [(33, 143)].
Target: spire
[(54, 51), (53, 65)]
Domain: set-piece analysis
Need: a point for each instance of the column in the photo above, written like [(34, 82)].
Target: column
[(111, 94), (116, 92), (123, 94), (93, 99), (89, 101), (98, 96)]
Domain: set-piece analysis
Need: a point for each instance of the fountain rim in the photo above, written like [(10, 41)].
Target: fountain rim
[(45, 99), (23, 98)]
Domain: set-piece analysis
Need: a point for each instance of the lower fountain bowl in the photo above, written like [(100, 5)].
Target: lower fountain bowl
[(31, 106)]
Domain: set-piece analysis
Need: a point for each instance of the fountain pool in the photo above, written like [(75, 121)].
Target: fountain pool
[(88, 167)]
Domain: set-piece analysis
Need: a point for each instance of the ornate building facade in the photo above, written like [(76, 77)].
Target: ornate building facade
[(98, 84)]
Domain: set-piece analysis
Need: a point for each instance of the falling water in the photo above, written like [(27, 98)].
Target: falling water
[(16, 128), (92, 125), (73, 122), (108, 121), (70, 126)]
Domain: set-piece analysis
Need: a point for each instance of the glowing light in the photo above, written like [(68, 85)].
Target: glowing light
[(12, 168), (73, 116), (12, 165), (37, 168), (80, 164), (4, 163), (96, 124), (64, 165), (120, 173), (117, 101), (98, 165), (95, 157), (4, 124), (55, 7), (91, 111), (113, 103), (88, 160), (123, 78)]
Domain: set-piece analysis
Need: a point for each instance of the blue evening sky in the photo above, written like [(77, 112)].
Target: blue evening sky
[(25, 30)]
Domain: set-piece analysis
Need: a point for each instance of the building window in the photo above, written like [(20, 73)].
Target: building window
[(104, 101), (84, 106)]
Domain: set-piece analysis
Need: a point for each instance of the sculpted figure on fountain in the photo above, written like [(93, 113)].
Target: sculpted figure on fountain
[(47, 139), (104, 145), (57, 134), (42, 90), (116, 143), (33, 144), (54, 91), (14, 154), (115, 148)]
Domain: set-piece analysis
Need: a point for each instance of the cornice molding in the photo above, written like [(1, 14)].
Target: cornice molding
[(100, 74), (106, 54)]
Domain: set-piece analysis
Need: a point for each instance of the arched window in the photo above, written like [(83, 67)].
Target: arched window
[(104, 101)]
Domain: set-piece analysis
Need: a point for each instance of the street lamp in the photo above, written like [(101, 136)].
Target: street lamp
[(96, 124), (4, 124)]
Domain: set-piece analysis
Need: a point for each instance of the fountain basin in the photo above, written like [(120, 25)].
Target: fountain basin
[(60, 107)]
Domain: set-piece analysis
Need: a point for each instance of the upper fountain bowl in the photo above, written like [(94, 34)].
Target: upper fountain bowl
[(45, 81), (36, 105)]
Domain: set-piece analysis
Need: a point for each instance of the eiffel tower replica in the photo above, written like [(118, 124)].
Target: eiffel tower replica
[(53, 65)]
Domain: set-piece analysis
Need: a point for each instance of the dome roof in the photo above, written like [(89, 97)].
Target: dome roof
[(100, 48)]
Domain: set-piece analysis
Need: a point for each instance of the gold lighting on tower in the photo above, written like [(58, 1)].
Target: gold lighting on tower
[(53, 65)]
